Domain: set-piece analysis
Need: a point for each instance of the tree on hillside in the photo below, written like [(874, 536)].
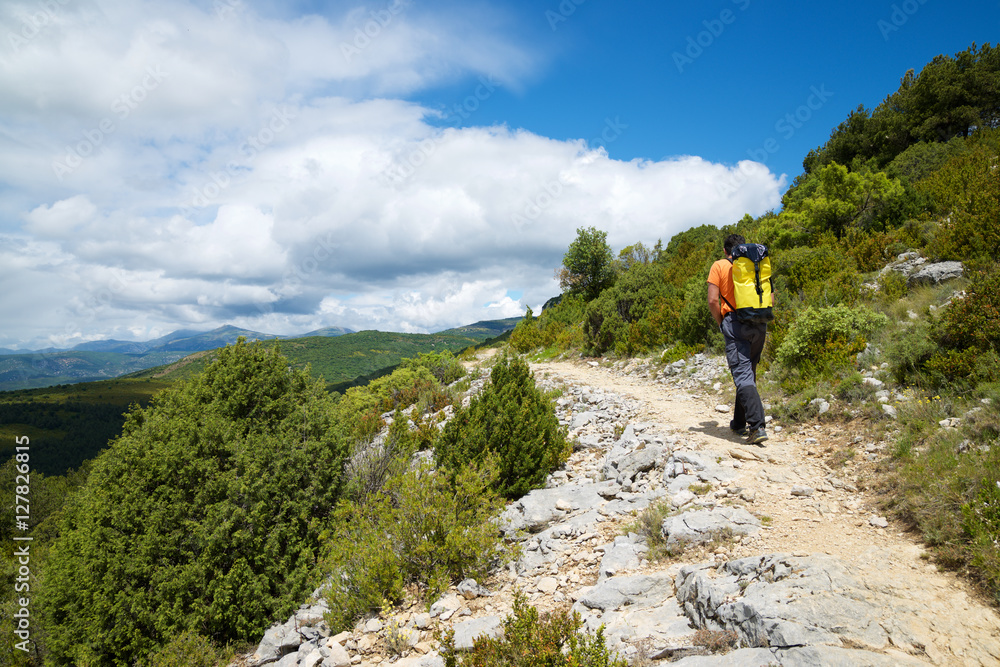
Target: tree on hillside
[(966, 193), (512, 422), (834, 198), (633, 255), (950, 97), (588, 265), (204, 516), (690, 253)]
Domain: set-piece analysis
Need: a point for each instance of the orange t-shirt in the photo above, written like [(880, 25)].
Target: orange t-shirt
[(721, 275)]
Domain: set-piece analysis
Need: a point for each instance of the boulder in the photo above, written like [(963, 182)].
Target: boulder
[(935, 274), (467, 632), (702, 526)]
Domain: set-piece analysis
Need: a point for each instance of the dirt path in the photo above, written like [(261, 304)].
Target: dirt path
[(815, 509)]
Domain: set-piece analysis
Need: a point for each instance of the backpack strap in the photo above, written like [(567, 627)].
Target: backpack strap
[(720, 291)]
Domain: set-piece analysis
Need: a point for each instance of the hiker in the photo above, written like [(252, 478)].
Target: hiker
[(744, 344)]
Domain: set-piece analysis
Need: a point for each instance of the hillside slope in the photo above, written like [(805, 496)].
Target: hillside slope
[(813, 576)]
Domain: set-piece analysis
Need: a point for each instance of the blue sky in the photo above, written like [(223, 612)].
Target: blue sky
[(399, 165)]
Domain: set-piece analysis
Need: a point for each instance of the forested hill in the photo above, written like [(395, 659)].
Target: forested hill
[(73, 422)]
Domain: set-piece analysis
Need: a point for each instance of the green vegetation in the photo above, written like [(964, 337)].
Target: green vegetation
[(587, 265), (635, 314), (510, 423), (204, 516), (420, 527), (533, 640), (824, 341), (70, 424), (235, 492), (649, 524)]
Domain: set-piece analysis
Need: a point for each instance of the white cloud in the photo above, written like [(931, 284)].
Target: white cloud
[(61, 218), (260, 183)]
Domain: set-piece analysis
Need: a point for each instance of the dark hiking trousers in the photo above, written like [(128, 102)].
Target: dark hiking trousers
[(744, 344)]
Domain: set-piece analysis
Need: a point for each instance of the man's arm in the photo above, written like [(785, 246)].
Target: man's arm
[(713, 303)]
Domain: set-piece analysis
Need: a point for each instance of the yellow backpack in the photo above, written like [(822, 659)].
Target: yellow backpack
[(752, 282)]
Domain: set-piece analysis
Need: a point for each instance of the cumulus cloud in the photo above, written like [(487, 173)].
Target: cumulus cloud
[(272, 178)]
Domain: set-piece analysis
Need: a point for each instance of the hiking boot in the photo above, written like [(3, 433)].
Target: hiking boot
[(742, 431), (757, 437)]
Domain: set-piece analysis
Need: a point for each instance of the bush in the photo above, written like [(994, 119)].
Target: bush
[(907, 350), (804, 267), (639, 313), (422, 527), (533, 640), (189, 650), (869, 250), (822, 341), (526, 336), (974, 321), (372, 463), (512, 422), (365, 573), (962, 369), (442, 365), (649, 524), (892, 286), (204, 516), (561, 324), (967, 194), (696, 326)]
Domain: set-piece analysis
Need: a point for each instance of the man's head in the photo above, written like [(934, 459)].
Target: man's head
[(731, 242)]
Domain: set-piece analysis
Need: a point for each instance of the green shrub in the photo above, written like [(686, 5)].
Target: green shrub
[(892, 286), (365, 573), (907, 350), (962, 369), (203, 516), (803, 267), (824, 339), (561, 322), (533, 640), (526, 336), (421, 527), (966, 194), (442, 365), (189, 650), (974, 320), (869, 250), (649, 524), (947, 487), (512, 422), (638, 313), (402, 388), (852, 388), (372, 463), (981, 520), (696, 326)]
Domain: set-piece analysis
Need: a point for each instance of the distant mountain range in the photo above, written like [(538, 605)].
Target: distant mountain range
[(105, 359)]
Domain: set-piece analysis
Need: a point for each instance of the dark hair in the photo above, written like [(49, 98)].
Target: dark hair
[(731, 242)]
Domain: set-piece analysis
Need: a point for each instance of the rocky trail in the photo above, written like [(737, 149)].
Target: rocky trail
[(773, 548)]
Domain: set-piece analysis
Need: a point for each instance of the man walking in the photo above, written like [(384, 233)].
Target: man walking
[(744, 344)]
